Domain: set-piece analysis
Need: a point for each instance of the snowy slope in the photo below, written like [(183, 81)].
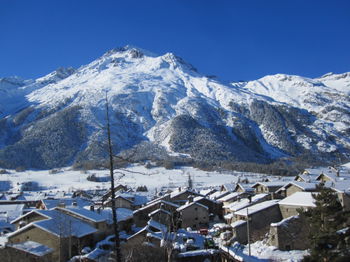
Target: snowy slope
[(162, 100)]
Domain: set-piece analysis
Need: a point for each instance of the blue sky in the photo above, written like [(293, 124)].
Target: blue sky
[(235, 40)]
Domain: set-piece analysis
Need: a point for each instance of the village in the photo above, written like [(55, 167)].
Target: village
[(206, 223)]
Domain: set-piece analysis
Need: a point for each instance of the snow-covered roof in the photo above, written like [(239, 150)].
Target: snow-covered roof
[(229, 187), (199, 198), (303, 199), (245, 187), (302, 185), (32, 247), (317, 171), (307, 177), (122, 214), (12, 208), (182, 191), (84, 213), (60, 224), (159, 210), (285, 221), (229, 196), (343, 186), (155, 224), (155, 203), (238, 223), (206, 192), (270, 184), (80, 202), (228, 216), (197, 253), (218, 194), (256, 208), (191, 204), (44, 213), (140, 200), (237, 205)]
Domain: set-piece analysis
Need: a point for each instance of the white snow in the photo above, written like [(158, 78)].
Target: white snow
[(299, 199), (133, 176)]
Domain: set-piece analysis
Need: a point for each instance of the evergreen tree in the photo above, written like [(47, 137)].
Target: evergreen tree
[(325, 220)]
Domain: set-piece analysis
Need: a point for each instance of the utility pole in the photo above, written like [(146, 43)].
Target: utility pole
[(248, 229), (111, 169), (248, 232)]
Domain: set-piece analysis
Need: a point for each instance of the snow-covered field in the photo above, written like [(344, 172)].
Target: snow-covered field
[(156, 178)]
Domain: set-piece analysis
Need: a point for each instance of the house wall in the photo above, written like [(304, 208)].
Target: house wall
[(265, 217), (344, 200), (288, 210), (28, 219), (292, 189), (214, 208), (261, 189), (240, 233), (121, 203), (194, 216)]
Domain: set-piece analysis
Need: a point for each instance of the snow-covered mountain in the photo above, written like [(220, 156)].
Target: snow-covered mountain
[(163, 103)]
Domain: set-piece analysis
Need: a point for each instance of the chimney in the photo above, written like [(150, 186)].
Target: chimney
[(61, 204), (190, 199), (75, 204)]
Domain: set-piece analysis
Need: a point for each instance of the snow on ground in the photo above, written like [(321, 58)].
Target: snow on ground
[(262, 252), (156, 178)]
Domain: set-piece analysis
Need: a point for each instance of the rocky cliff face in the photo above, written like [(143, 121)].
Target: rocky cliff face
[(164, 103)]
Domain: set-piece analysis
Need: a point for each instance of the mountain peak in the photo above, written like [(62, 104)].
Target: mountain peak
[(130, 50)]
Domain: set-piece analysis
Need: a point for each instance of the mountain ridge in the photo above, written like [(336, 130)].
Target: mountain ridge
[(165, 102)]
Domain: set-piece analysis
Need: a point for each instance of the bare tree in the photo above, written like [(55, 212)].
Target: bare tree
[(111, 169)]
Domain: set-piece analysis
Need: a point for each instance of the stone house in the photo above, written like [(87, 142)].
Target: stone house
[(296, 186), (117, 189), (239, 231), (64, 234), (290, 205), (246, 188), (260, 217), (289, 234), (268, 188), (232, 197), (194, 215), (306, 177), (141, 217), (218, 194), (215, 207), (342, 189), (242, 203), (164, 217), (228, 187), (94, 219), (120, 202), (28, 251), (181, 196)]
